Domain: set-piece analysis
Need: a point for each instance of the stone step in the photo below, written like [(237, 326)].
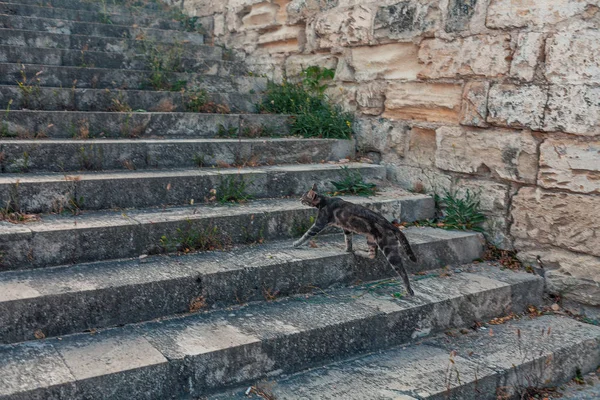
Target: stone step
[(35, 39), (90, 125), (95, 236), (65, 99), (63, 300), (20, 156), (194, 355), (500, 362), (69, 27), (97, 59), (105, 78), (52, 193), (126, 18)]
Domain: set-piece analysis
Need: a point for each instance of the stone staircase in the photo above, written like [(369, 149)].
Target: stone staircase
[(92, 308)]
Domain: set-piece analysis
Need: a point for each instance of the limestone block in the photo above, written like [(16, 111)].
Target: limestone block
[(421, 147), (526, 56), (459, 15), (573, 109), (294, 64), (569, 221), (300, 10), (520, 106), (432, 102), (571, 275), (570, 164), (262, 15), (202, 8), (521, 13), (219, 25), (508, 154), (370, 97), (380, 135), (342, 94), (422, 180), (473, 111), (287, 39), (573, 57), (493, 196), (481, 55), (407, 20), (388, 61), (344, 27)]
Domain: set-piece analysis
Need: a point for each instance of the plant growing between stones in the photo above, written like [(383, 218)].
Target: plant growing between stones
[(352, 182), (4, 129), (162, 60), (191, 238), (29, 88), (232, 189), (462, 213), (226, 132), (313, 78)]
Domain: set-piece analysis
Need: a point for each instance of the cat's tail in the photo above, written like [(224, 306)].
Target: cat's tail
[(405, 245)]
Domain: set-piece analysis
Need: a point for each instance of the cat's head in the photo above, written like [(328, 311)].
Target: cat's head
[(311, 198)]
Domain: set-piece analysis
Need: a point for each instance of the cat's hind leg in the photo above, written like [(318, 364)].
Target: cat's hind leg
[(372, 253), (392, 253), (348, 238)]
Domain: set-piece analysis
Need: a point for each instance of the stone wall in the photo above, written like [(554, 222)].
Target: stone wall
[(498, 96)]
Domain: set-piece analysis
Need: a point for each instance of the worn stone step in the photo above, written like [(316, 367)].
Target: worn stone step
[(35, 39), (500, 362), (105, 78), (197, 354), (90, 125), (69, 27), (65, 99), (108, 18), (63, 300), (20, 156), (46, 193), (95, 236), (111, 60)]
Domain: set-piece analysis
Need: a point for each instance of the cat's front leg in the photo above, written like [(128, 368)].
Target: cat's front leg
[(317, 227)]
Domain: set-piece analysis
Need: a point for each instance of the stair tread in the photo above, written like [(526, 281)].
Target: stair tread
[(424, 371), (119, 354)]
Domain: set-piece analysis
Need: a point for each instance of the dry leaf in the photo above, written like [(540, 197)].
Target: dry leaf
[(39, 334)]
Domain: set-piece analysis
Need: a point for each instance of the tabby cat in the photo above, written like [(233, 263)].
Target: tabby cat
[(353, 218)]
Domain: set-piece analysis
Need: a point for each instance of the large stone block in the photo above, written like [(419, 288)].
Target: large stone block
[(407, 20), (519, 106), (481, 55), (573, 109), (380, 135), (287, 39), (262, 15), (344, 27), (420, 150), (301, 10), (370, 97), (570, 164), (508, 154), (570, 221), (422, 180), (573, 57), (388, 61), (432, 102), (526, 55), (534, 13), (474, 104), (459, 14)]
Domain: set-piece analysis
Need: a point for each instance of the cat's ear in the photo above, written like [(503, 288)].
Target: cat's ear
[(314, 188)]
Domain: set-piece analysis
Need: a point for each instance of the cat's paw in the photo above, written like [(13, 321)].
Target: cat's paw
[(297, 243), (363, 254)]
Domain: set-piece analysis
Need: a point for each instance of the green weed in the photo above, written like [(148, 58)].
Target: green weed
[(228, 132), (195, 239), (232, 189), (352, 182), (300, 226), (29, 88), (4, 129), (461, 212), (194, 99), (313, 78)]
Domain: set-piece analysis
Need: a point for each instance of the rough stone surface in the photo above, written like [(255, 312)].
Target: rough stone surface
[(533, 13), (370, 97), (459, 14), (474, 109), (344, 27), (508, 154), (421, 147), (481, 55), (296, 63), (432, 102), (517, 106), (573, 57), (569, 221), (379, 135), (573, 109), (527, 55), (389, 61), (570, 164), (406, 20)]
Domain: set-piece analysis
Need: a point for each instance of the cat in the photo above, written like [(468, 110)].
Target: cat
[(353, 218)]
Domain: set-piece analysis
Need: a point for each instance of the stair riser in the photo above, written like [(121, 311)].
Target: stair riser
[(67, 27), (63, 314), (44, 248), (33, 39), (91, 59), (99, 78), (295, 342), (57, 99), (111, 193), (76, 125), (28, 10), (48, 156), (89, 5)]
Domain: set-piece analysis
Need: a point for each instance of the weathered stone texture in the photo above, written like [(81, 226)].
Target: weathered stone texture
[(570, 164), (481, 55), (526, 56), (433, 102), (407, 19), (370, 97), (381, 136), (287, 39), (521, 13), (294, 64), (300, 10), (388, 61), (508, 154), (340, 27), (570, 221), (459, 14), (419, 179), (519, 106), (421, 147), (261, 16), (573, 109), (474, 104), (573, 57)]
